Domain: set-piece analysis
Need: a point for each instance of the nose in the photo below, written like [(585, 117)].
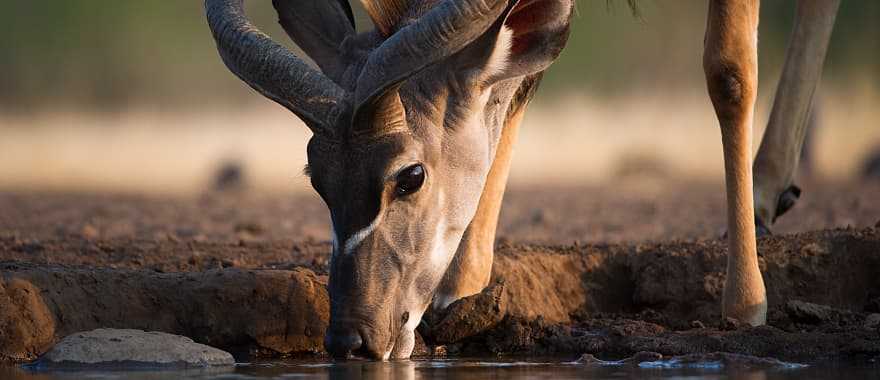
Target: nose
[(340, 343)]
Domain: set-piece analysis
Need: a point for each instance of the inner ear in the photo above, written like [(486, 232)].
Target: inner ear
[(531, 16), (525, 41)]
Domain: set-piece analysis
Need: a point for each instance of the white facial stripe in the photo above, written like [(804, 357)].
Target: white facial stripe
[(359, 236), (438, 251)]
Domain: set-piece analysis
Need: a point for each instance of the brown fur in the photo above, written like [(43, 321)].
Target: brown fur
[(471, 268), (386, 14), (730, 61), (777, 159)]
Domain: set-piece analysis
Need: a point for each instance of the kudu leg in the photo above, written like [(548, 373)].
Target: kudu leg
[(777, 159), (730, 62), (471, 268)]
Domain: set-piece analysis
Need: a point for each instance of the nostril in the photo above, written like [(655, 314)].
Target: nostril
[(341, 343)]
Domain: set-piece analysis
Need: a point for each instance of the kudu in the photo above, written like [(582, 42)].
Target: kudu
[(414, 123)]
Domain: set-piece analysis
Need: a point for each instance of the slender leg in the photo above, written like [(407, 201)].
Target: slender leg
[(777, 159), (730, 62), (471, 268)]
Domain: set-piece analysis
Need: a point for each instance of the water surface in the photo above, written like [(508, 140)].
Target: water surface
[(457, 369)]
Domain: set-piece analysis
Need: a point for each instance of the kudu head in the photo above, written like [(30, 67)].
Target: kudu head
[(406, 119)]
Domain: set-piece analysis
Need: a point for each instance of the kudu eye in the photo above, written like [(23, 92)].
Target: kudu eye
[(410, 180)]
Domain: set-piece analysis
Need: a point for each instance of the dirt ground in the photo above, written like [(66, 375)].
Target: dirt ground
[(590, 269)]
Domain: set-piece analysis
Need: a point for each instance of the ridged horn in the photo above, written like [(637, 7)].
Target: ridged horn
[(441, 32), (272, 69)]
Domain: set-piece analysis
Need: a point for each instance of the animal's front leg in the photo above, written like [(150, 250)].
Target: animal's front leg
[(730, 64), (777, 159)]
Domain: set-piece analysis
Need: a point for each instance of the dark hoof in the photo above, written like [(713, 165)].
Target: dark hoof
[(761, 229), (871, 167), (787, 200)]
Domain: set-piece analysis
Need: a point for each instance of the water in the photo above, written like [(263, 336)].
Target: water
[(456, 369)]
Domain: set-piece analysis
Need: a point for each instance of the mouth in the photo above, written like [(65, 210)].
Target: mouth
[(399, 346), (403, 347), (406, 337)]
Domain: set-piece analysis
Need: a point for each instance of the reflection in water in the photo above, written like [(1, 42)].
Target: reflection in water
[(401, 370), (452, 369)]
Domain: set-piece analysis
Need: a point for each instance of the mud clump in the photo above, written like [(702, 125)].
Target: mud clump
[(468, 316), (807, 312), (26, 323)]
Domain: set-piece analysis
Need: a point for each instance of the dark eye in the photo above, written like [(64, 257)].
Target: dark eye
[(410, 180)]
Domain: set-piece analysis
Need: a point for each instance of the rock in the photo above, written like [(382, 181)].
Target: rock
[(635, 360), (872, 321), (873, 305), (717, 360), (729, 324), (646, 359), (131, 348), (806, 312), (90, 232), (439, 352), (230, 176), (698, 324)]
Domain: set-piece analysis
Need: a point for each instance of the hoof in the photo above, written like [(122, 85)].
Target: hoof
[(761, 229), (787, 200)]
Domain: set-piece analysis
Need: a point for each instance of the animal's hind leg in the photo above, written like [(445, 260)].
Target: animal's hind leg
[(730, 63), (471, 268), (777, 159)]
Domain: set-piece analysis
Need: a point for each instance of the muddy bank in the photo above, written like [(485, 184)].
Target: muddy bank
[(682, 281), (279, 312), (608, 300), (852, 339), (615, 301)]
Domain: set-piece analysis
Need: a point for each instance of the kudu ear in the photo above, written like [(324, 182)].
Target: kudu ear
[(525, 41), (318, 27)]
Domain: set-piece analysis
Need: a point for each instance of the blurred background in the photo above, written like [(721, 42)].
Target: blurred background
[(130, 96)]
